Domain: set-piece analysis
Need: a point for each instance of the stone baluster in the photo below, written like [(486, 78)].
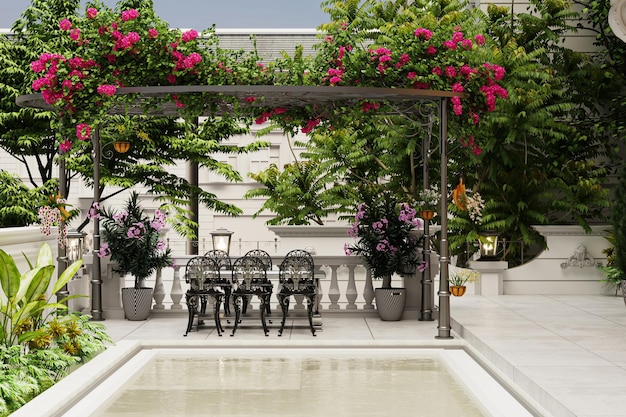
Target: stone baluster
[(351, 292), (368, 292), (320, 292), (334, 293), (159, 291), (176, 293)]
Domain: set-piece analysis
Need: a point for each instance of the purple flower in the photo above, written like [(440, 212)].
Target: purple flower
[(104, 251)]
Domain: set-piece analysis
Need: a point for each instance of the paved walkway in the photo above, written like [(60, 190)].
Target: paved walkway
[(567, 354)]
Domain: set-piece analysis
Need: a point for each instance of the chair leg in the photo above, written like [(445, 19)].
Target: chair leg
[(237, 301), (246, 301), (268, 308), (311, 300), (216, 316), (191, 307), (190, 322), (227, 292), (264, 301), (284, 305)]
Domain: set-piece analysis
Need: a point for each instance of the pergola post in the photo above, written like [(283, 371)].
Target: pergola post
[(96, 275), (444, 286)]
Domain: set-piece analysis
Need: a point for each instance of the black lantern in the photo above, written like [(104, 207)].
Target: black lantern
[(221, 239), (488, 241), (75, 247)]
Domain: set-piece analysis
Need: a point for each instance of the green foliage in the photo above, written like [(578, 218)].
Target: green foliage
[(27, 132), (619, 222), (39, 340), (25, 298), (298, 194), (63, 342), (133, 240), (18, 203), (541, 153)]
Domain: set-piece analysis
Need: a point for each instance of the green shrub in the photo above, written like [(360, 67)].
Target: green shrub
[(18, 203), (39, 340)]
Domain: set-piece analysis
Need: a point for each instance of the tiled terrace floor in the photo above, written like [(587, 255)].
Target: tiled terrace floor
[(566, 353)]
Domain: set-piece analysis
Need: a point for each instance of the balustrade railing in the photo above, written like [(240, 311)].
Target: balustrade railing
[(347, 285)]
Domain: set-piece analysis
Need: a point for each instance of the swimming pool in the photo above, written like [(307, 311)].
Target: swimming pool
[(135, 380)]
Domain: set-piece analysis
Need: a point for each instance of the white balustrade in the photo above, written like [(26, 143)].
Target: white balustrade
[(347, 286)]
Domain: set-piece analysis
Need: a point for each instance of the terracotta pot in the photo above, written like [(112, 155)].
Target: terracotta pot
[(458, 290), (427, 214)]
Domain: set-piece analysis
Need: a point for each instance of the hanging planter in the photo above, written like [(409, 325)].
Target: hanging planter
[(458, 290), (121, 146)]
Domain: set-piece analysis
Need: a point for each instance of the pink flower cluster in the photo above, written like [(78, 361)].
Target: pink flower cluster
[(470, 143), (94, 211), (52, 90), (310, 125), (136, 231), (62, 79), (266, 115), (384, 58), (461, 79), (369, 106), (408, 215), (130, 14), (124, 41), (104, 251), (158, 222), (49, 217), (184, 62)]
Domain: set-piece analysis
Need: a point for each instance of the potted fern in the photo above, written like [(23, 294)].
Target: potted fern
[(134, 242)]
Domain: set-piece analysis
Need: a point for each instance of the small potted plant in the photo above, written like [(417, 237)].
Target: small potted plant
[(383, 227), (428, 202), (134, 242), (459, 278)]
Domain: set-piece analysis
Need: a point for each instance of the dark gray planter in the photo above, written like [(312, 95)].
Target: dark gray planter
[(390, 303), (137, 303)]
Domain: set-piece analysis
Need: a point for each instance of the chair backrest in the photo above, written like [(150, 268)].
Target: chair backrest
[(261, 255), (202, 272), (297, 269), (221, 257), (249, 273)]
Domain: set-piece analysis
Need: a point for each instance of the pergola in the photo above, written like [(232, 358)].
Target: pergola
[(221, 100)]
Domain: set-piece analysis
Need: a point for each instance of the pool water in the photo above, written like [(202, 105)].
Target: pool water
[(240, 382)]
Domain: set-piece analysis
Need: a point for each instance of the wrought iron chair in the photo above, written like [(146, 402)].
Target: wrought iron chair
[(250, 279), (264, 257), (203, 276), (222, 259), (296, 277)]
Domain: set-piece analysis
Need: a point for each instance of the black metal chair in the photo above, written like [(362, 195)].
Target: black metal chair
[(297, 277), (222, 259), (264, 257), (250, 279), (203, 276)]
